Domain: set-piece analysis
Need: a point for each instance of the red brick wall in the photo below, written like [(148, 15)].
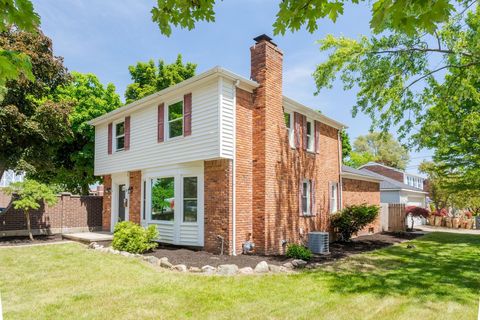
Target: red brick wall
[(71, 213), (107, 203), (386, 172), (135, 196), (360, 192), (218, 205)]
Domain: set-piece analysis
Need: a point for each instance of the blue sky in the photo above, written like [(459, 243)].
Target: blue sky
[(105, 37)]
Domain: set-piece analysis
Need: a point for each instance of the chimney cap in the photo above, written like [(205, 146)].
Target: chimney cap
[(263, 37)]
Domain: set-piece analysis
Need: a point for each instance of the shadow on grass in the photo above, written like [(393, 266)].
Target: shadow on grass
[(443, 267)]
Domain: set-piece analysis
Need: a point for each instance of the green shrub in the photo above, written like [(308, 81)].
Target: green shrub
[(353, 219), (130, 237), (296, 251)]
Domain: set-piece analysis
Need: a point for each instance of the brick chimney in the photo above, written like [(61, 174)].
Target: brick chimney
[(266, 69)]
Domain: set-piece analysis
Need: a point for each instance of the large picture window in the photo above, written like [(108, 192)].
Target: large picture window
[(190, 201), (175, 119), (120, 136), (163, 199)]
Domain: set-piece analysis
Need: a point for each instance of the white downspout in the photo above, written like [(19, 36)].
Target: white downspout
[(234, 172), (340, 161)]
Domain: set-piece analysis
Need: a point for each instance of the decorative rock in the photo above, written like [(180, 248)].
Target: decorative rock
[(299, 263), (208, 269), (274, 268), (194, 269), (92, 245), (151, 259), (164, 263), (227, 269), (125, 254), (261, 267), (288, 265), (284, 269), (180, 267), (246, 270)]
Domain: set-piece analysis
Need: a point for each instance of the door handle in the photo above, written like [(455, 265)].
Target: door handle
[(125, 202)]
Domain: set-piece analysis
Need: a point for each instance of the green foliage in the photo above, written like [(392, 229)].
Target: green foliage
[(130, 237), (426, 86), (148, 78), (14, 64), (346, 146), (32, 127), (297, 251), (73, 163), (406, 16), (353, 219), (29, 194), (357, 159), (383, 148)]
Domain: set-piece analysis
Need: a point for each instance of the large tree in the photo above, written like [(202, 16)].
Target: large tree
[(381, 148), (425, 86), (74, 160), (148, 78), (32, 126)]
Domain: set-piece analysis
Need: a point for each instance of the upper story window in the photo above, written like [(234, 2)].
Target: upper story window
[(175, 119), (120, 136), (306, 197), (310, 138), (289, 124)]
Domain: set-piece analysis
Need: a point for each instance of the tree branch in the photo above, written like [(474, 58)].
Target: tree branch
[(422, 50)]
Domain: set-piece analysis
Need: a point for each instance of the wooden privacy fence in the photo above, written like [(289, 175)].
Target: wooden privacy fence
[(393, 217)]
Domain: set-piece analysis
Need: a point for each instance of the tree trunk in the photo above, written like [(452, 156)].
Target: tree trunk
[(413, 221), (27, 216)]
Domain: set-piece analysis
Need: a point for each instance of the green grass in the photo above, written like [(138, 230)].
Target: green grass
[(439, 279)]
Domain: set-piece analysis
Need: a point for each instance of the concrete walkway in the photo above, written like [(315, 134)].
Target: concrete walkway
[(449, 230), (88, 237)]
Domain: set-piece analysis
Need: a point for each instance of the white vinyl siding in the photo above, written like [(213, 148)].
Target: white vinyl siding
[(206, 142)]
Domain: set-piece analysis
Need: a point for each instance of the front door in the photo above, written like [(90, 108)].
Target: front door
[(121, 202)]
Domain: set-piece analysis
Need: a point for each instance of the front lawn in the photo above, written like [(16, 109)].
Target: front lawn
[(438, 279)]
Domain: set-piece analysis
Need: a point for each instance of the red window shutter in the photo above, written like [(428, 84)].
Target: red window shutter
[(110, 129), (304, 127), (300, 197), (296, 128), (161, 122), (313, 209), (187, 114), (317, 137), (127, 133)]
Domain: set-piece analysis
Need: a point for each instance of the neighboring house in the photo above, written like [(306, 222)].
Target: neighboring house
[(222, 159), (11, 176), (398, 186)]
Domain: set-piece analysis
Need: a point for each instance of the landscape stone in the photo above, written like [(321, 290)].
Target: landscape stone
[(274, 268), (180, 267), (194, 269), (261, 267), (299, 263), (246, 270), (227, 269), (164, 263), (288, 265), (208, 269)]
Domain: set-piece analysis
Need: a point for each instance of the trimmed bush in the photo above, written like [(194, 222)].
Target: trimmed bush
[(296, 251), (130, 237), (353, 219)]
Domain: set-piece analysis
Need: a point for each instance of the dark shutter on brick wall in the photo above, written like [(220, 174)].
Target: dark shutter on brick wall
[(300, 194), (317, 137), (127, 133), (110, 129), (296, 128), (161, 122), (187, 114), (313, 209), (304, 135)]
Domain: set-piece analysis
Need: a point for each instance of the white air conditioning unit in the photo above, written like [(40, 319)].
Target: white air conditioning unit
[(318, 242)]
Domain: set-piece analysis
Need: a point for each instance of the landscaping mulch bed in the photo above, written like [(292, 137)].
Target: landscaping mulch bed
[(338, 250), (22, 240)]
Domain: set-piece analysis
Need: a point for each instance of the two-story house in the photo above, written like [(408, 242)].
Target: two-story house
[(398, 186), (219, 158)]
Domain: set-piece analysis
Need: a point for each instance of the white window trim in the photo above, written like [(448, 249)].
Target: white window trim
[(183, 197), (167, 121), (310, 137), (114, 133), (308, 197), (333, 197), (290, 130)]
